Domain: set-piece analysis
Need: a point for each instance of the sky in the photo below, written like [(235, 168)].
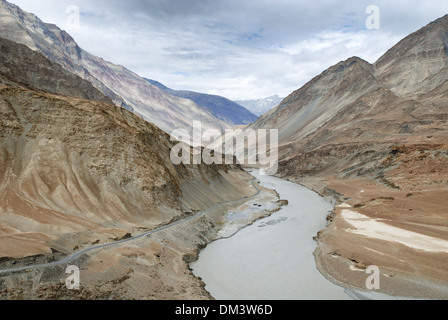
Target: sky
[(240, 49)]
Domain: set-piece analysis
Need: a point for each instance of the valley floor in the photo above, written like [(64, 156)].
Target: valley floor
[(273, 258)]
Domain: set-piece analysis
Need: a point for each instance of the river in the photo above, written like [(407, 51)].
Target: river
[(273, 258)]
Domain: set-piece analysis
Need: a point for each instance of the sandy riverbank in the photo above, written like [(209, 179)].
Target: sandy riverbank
[(404, 233)]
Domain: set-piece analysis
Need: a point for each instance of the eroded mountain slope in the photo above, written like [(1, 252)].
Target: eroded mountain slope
[(122, 86)]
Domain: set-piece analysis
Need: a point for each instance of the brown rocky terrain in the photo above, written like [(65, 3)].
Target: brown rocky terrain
[(154, 268), (75, 173), (375, 138), (122, 86), (34, 71)]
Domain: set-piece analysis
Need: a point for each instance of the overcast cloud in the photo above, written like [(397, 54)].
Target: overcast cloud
[(240, 49)]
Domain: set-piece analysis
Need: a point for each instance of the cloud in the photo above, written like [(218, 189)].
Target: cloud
[(239, 49)]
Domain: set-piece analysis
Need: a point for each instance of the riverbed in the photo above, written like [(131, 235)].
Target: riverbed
[(273, 258)]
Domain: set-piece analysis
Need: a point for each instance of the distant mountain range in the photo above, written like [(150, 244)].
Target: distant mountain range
[(260, 106), (223, 108), (85, 159)]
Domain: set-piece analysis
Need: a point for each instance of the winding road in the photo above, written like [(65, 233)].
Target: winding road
[(76, 255)]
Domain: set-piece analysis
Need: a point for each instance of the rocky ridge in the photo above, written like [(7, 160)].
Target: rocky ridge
[(260, 106), (75, 173)]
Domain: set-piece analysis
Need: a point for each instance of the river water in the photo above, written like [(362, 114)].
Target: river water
[(272, 259)]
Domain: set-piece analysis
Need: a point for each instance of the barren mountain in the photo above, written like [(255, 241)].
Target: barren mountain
[(260, 106), (75, 173), (34, 71), (376, 137), (121, 85)]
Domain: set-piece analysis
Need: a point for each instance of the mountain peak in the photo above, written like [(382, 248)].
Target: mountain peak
[(416, 58), (32, 70), (262, 105), (441, 22), (416, 67)]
